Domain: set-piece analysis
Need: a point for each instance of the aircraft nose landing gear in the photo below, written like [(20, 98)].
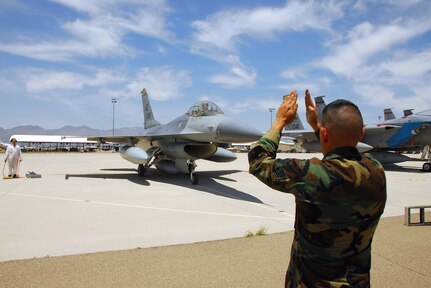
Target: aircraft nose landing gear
[(141, 170), (194, 178)]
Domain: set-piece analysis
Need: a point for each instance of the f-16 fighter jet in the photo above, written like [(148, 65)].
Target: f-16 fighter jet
[(175, 146)]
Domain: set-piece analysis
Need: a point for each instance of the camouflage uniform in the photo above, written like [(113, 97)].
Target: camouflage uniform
[(339, 201)]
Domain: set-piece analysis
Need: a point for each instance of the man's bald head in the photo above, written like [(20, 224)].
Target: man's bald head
[(343, 120)]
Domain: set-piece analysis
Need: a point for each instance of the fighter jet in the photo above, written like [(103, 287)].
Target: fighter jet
[(384, 141), (174, 147)]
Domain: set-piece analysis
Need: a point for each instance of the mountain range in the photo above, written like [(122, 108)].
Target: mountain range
[(5, 134)]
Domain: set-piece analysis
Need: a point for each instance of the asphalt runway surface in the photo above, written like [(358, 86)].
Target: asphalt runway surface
[(95, 202)]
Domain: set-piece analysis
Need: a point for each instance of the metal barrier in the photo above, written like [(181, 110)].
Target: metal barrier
[(408, 218)]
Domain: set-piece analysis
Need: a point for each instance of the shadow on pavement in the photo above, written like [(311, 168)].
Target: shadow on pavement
[(207, 181), (131, 177), (397, 168)]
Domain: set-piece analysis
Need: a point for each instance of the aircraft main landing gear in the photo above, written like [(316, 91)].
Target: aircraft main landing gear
[(143, 168), (426, 167), (194, 178)]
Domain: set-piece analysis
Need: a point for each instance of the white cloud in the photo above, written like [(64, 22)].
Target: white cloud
[(79, 89), (50, 82), (406, 75), (224, 30), (46, 81), (301, 78), (408, 65), (100, 31), (162, 83), (398, 2), (377, 62), (219, 35), (365, 41), (238, 76), (161, 49)]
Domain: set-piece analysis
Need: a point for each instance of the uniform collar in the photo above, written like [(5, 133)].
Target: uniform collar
[(347, 152)]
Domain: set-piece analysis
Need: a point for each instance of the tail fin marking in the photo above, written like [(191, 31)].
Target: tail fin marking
[(149, 120)]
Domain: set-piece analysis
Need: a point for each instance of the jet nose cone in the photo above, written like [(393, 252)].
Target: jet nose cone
[(230, 131)]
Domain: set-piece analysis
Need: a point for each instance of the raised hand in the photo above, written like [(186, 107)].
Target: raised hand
[(311, 112), (287, 111)]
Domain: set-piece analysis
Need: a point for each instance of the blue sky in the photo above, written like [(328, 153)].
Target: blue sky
[(62, 61)]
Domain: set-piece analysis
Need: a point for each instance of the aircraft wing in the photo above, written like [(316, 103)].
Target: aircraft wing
[(305, 135), (127, 139), (117, 139)]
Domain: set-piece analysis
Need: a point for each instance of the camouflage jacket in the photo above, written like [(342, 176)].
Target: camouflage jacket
[(339, 201)]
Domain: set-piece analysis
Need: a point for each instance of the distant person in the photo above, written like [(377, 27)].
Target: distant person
[(339, 199), (13, 156), (426, 153)]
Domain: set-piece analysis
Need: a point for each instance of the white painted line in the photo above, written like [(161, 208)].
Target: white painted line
[(148, 207), (261, 205)]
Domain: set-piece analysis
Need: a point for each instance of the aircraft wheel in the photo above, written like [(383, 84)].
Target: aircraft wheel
[(426, 167), (194, 178), (141, 170)]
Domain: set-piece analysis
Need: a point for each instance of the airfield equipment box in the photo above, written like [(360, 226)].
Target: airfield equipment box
[(422, 221)]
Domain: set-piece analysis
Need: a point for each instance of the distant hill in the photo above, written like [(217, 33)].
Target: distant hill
[(5, 134)]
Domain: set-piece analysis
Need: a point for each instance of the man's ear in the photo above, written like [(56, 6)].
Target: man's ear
[(323, 134), (362, 134)]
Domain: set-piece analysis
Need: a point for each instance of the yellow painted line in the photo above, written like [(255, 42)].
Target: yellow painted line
[(148, 207)]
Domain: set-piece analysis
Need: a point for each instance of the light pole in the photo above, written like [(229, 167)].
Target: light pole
[(270, 111), (113, 101)]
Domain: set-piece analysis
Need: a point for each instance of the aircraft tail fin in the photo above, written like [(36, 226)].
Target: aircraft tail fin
[(408, 112), (388, 114), (320, 105), (295, 125), (149, 120)]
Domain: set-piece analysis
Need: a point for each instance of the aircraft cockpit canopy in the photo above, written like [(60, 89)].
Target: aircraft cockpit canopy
[(204, 108)]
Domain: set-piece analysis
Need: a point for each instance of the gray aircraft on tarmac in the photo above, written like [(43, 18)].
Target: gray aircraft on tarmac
[(385, 141), (201, 133)]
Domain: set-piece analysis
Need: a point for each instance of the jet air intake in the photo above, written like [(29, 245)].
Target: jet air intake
[(134, 154)]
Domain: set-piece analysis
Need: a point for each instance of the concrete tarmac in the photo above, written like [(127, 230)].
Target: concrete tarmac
[(400, 258), (102, 205)]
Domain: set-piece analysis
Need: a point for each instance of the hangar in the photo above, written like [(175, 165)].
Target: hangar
[(57, 143)]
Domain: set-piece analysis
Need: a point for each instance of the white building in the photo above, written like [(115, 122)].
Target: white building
[(54, 143)]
